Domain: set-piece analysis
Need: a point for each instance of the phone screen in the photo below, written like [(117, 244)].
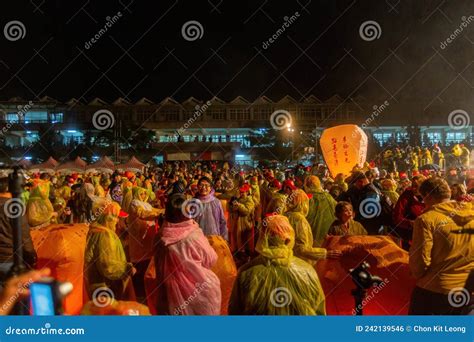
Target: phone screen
[(42, 299)]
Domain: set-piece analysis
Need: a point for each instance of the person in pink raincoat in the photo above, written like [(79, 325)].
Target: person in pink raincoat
[(183, 259)]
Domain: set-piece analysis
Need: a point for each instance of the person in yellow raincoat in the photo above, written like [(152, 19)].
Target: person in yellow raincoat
[(277, 282), (242, 225), (40, 210), (105, 264), (296, 211), (127, 193), (426, 157), (98, 189), (339, 180), (321, 209), (389, 189), (442, 252), (142, 229)]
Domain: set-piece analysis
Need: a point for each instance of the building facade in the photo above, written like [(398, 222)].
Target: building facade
[(193, 122)]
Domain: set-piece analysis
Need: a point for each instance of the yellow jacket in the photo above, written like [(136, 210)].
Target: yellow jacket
[(441, 256)]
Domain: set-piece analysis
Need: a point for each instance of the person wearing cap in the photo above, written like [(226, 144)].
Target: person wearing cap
[(373, 209), (211, 219), (321, 209), (442, 253), (276, 282), (105, 264), (288, 187), (6, 233), (297, 208), (183, 257), (241, 222)]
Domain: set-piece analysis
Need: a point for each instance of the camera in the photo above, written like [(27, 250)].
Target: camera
[(362, 277)]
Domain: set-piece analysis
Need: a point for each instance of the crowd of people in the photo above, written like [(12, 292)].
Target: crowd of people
[(274, 221)]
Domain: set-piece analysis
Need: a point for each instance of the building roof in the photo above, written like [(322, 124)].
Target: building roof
[(287, 99), (239, 100), (121, 102), (97, 102), (144, 101)]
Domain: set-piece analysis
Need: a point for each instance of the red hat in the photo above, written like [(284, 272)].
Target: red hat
[(402, 175), (128, 174), (244, 188), (123, 214), (289, 183), (275, 183)]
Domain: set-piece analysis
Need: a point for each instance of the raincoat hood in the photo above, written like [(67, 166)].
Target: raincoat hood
[(174, 232), (298, 202), (137, 192), (276, 240)]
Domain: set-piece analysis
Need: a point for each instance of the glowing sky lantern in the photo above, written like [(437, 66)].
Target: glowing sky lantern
[(343, 147)]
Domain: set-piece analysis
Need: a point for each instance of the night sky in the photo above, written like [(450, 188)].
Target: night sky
[(322, 53)]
